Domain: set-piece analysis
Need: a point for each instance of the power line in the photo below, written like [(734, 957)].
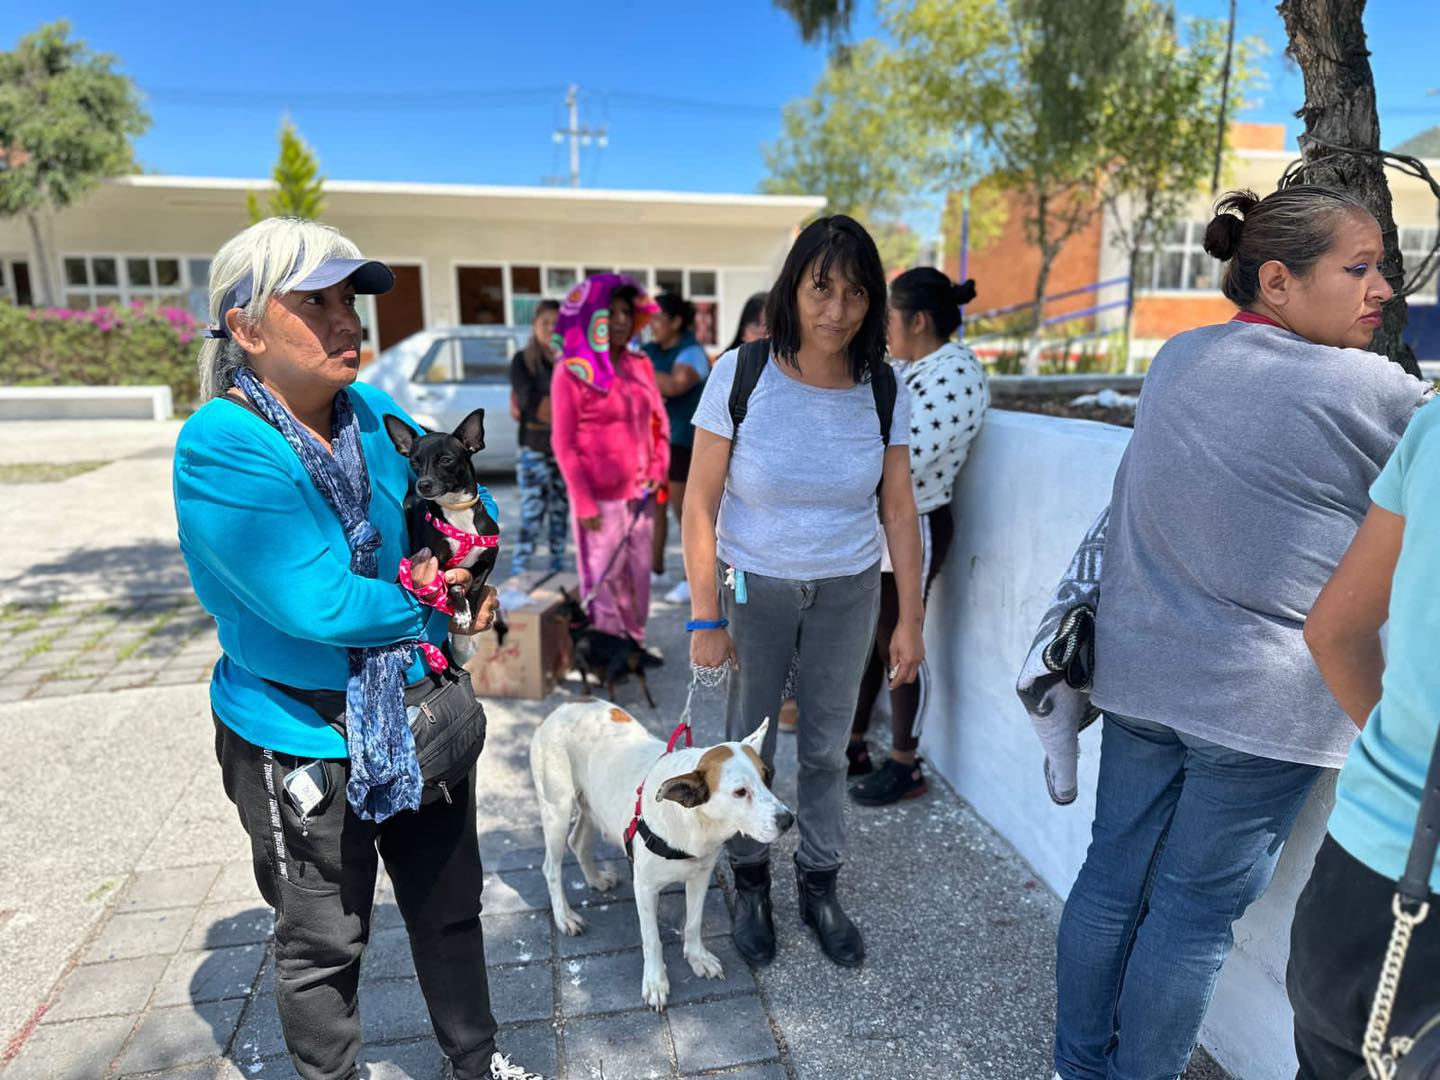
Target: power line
[(438, 99)]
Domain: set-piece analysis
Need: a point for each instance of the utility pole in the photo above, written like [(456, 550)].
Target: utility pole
[(578, 136)]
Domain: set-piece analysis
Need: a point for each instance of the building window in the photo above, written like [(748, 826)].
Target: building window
[(1178, 262), (559, 280), (1416, 243), (112, 280), (525, 293), (704, 292)]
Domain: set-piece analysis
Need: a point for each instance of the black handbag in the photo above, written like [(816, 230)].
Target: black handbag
[(445, 716), (1416, 1056)]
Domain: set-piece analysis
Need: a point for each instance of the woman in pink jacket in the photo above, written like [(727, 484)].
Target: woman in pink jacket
[(612, 442)]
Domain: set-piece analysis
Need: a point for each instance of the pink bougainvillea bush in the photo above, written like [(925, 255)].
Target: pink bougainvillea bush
[(102, 346)]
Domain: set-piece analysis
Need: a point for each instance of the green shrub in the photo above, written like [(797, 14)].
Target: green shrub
[(104, 346)]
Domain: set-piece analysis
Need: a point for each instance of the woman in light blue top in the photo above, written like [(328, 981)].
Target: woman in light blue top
[(1343, 918), (289, 496)]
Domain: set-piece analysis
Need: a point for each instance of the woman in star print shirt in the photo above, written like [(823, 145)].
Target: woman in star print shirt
[(948, 399)]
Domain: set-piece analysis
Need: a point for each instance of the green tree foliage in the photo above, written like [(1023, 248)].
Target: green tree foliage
[(1067, 103), (67, 119), (297, 190), (1162, 121), (846, 142)]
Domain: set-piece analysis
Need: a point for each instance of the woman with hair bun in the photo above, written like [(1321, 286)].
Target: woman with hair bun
[(1255, 445), (948, 398)]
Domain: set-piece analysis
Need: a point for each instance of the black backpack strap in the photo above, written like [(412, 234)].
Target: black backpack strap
[(749, 366), (884, 386)]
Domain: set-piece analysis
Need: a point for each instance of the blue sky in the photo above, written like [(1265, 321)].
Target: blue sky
[(449, 91)]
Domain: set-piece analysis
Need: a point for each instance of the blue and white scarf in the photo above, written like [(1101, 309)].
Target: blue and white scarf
[(384, 771)]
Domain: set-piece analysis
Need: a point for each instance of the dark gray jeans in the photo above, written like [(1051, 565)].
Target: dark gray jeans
[(830, 623)]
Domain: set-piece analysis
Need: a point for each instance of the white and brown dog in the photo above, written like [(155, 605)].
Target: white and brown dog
[(589, 759)]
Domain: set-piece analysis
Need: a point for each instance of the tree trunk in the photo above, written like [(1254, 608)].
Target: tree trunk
[(1327, 41), (41, 276), (1031, 365), (1134, 261)]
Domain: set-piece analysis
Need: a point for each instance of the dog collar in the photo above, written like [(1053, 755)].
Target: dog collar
[(462, 505), (464, 542), (648, 836), (654, 842)]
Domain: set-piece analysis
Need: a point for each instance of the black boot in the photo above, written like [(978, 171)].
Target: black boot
[(754, 927), (820, 910)]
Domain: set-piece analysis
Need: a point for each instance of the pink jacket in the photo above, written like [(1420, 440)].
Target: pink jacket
[(608, 445)]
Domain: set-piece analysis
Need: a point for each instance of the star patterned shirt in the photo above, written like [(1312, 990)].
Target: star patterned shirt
[(948, 398)]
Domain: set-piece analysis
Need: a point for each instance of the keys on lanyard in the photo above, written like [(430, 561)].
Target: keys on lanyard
[(735, 579)]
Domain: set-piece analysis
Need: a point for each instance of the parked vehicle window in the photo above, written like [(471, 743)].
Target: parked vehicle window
[(469, 360)]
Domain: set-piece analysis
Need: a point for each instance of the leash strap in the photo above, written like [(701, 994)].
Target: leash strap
[(436, 594), (710, 677), (621, 546)]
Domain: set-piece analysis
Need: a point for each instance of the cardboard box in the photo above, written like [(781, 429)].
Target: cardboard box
[(537, 652)]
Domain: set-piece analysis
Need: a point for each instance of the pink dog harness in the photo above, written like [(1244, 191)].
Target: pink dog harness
[(637, 825), (464, 542)]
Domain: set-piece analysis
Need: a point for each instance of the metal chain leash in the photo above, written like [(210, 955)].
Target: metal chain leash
[(1380, 1062), (709, 678)]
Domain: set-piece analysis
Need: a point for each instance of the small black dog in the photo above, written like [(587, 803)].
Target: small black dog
[(609, 658), (443, 511)]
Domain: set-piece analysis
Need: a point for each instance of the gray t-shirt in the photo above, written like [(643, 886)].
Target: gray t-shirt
[(1246, 479), (799, 498)]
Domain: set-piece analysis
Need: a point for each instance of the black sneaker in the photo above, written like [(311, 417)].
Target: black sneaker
[(858, 755), (890, 783)]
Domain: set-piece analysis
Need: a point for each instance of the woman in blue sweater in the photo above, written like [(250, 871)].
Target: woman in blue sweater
[(289, 496)]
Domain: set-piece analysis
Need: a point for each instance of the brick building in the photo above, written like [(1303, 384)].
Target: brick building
[(1178, 286)]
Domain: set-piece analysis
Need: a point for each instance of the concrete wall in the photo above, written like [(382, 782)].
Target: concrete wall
[(1032, 486)]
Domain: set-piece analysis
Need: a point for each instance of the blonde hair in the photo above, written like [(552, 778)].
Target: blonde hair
[(276, 254)]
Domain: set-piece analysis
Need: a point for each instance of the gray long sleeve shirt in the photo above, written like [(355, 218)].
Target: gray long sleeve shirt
[(1245, 481)]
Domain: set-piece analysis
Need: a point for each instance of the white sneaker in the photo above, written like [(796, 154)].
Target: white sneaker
[(680, 594), (502, 1069)]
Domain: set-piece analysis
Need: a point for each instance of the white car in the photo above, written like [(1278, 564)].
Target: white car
[(440, 375)]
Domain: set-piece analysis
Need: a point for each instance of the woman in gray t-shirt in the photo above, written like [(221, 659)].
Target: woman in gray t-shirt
[(1255, 445), (782, 549)]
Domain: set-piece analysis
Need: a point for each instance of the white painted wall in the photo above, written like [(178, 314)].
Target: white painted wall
[(1032, 486)]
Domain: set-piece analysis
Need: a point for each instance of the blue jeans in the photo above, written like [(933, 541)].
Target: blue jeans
[(543, 501), (1186, 837)]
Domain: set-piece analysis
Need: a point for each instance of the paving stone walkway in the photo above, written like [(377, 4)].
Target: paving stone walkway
[(60, 649), (173, 979)]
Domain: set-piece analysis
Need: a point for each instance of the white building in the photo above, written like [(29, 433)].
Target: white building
[(462, 253)]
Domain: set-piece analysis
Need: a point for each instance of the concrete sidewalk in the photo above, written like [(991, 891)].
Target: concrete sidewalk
[(133, 941)]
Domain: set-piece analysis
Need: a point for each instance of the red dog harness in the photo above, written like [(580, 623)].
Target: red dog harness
[(464, 542), (637, 824)]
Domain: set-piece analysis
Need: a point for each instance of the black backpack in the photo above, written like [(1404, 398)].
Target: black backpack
[(750, 366)]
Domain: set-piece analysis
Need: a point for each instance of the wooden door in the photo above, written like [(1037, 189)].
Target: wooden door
[(401, 311)]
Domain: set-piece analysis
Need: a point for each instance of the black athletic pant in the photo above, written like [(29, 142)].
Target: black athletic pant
[(319, 877), (937, 530), (1337, 942)]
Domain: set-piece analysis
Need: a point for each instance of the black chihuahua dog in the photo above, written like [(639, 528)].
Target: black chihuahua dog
[(443, 511), (609, 658)]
